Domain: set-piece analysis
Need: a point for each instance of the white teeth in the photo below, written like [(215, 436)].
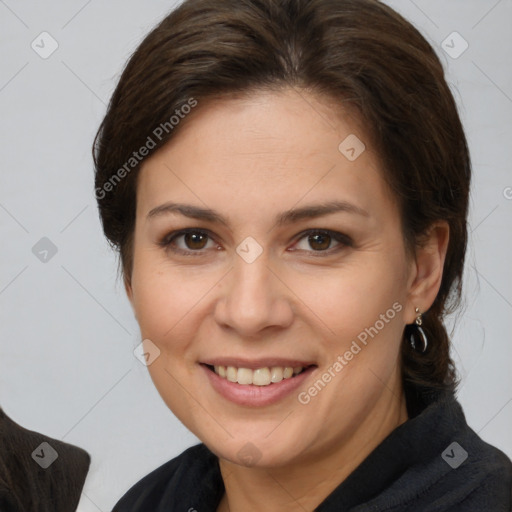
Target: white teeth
[(259, 377), (244, 376), (231, 373), (276, 374)]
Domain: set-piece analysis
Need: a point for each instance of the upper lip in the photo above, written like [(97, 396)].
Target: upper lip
[(253, 364)]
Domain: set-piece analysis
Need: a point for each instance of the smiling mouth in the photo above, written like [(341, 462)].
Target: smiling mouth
[(265, 376)]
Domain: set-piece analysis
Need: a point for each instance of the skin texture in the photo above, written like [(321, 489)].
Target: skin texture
[(250, 159)]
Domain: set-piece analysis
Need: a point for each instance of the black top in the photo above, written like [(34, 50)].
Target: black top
[(38, 473), (433, 462)]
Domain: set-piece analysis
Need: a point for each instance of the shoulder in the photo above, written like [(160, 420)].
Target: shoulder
[(177, 478), (54, 483), (437, 462), (484, 475), (470, 474)]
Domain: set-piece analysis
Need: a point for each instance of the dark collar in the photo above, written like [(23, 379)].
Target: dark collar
[(410, 455), (409, 470)]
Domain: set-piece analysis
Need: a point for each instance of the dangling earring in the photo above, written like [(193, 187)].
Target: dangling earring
[(417, 336)]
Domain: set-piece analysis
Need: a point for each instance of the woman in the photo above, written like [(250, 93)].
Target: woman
[(287, 183)]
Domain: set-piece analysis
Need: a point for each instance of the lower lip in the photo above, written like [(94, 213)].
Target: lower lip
[(252, 395)]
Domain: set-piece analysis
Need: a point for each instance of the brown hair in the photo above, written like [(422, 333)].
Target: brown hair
[(359, 52)]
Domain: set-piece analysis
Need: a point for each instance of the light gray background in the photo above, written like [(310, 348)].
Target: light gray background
[(67, 331)]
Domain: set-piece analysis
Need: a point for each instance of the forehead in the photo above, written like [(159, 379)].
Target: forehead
[(271, 148)]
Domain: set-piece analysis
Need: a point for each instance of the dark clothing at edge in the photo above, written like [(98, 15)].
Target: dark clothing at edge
[(433, 462), (38, 473)]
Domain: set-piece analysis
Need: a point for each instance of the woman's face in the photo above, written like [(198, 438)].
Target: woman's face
[(294, 259)]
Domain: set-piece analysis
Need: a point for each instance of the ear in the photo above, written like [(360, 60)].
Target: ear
[(427, 270)]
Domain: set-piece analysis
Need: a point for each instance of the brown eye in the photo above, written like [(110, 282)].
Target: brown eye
[(327, 241), (190, 242), (319, 241), (195, 240)]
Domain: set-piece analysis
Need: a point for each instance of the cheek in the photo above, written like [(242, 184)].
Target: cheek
[(358, 311), (353, 298), (159, 298), (166, 301)]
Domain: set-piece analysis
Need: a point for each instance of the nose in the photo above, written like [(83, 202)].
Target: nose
[(254, 299)]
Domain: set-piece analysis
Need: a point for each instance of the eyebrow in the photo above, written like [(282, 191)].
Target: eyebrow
[(287, 217)]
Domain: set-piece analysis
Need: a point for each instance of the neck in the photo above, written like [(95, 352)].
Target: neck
[(306, 483)]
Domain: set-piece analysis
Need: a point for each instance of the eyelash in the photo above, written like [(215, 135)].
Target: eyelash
[(343, 240)]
